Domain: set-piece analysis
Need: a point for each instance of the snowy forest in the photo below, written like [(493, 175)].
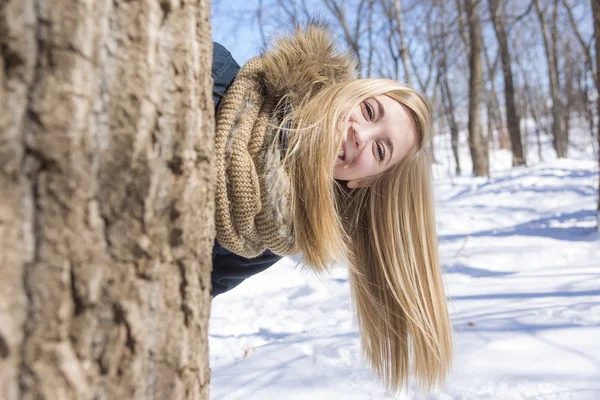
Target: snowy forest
[(108, 187), (514, 86)]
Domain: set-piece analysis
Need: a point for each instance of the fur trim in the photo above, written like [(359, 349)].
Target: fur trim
[(253, 190), (300, 64)]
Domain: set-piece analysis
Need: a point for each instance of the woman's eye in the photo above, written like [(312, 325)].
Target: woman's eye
[(380, 152), (370, 111)]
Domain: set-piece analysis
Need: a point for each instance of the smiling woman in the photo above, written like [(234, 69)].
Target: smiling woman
[(371, 138), (313, 161)]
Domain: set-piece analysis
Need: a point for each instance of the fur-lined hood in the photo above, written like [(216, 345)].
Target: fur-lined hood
[(253, 204), (298, 65)]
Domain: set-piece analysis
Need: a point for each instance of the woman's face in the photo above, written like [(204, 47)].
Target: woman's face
[(379, 134)]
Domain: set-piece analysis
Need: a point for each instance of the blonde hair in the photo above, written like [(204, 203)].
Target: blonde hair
[(385, 232)]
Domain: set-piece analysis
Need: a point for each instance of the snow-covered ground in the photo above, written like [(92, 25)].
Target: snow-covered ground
[(521, 257)]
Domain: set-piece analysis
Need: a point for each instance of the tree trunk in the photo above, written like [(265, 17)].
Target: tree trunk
[(370, 38), (462, 26), (493, 105), (558, 121), (512, 118), (403, 51), (489, 122), (106, 207), (538, 125), (477, 146), (596, 15), (449, 102)]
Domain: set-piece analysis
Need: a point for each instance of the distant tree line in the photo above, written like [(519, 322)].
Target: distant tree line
[(499, 62)]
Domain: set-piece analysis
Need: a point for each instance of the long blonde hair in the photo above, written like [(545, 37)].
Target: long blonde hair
[(385, 232)]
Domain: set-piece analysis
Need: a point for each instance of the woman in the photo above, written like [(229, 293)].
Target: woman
[(312, 160)]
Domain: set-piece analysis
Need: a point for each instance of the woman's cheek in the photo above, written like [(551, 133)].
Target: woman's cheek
[(364, 164)]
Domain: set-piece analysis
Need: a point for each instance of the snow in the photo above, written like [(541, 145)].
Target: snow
[(521, 256)]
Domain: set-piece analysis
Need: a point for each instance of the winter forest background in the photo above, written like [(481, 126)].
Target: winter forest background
[(514, 86)]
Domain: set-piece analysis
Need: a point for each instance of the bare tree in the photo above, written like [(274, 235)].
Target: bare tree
[(106, 207), (393, 11), (462, 25), (477, 146), (581, 76), (430, 74), (493, 105), (370, 7), (512, 118), (448, 105), (260, 11), (549, 36), (596, 16), (403, 40), (536, 119), (351, 27), (447, 100)]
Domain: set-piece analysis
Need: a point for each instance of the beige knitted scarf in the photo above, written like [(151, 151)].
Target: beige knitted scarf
[(251, 215), (253, 188)]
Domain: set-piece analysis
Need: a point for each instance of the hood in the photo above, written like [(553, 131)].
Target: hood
[(298, 65)]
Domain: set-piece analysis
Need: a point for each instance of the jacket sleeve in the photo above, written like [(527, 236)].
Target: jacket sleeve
[(229, 269), (224, 70)]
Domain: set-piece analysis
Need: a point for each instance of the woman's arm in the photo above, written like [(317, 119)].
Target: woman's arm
[(224, 70), (229, 269)]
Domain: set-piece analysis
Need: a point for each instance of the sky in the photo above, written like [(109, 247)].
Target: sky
[(232, 27)]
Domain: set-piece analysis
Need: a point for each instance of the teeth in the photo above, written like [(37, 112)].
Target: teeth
[(341, 154)]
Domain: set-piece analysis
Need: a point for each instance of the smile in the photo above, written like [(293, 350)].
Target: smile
[(342, 152)]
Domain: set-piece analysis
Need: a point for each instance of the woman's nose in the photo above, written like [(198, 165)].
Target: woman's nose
[(362, 136)]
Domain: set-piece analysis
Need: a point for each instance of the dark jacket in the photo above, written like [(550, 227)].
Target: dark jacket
[(229, 269)]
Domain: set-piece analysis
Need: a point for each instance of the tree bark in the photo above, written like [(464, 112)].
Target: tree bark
[(106, 207), (477, 146), (559, 132), (512, 118)]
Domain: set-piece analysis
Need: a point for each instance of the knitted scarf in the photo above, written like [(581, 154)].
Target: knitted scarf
[(253, 187)]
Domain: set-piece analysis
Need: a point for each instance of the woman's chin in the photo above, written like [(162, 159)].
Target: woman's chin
[(337, 166), (337, 174)]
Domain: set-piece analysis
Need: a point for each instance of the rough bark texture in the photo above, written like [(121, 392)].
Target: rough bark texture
[(106, 207), (477, 146), (512, 118)]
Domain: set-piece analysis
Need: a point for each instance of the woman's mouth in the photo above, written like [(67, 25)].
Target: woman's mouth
[(342, 152)]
